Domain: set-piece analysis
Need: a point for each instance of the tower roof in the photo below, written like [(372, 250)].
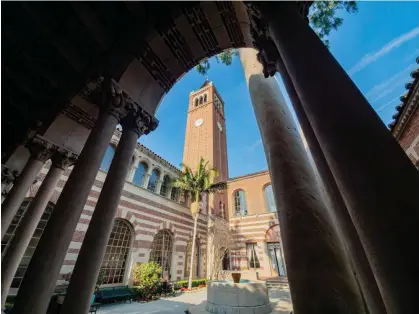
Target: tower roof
[(206, 83)]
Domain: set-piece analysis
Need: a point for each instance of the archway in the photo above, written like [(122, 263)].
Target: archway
[(114, 263), (161, 251)]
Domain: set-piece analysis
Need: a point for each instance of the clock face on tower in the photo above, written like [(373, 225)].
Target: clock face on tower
[(199, 122)]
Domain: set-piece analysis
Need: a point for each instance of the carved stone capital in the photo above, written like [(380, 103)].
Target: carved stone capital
[(268, 54), (40, 149), (138, 120), (63, 159), (7, 175), (126, 110)]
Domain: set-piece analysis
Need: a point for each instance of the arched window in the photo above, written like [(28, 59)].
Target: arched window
[(240, 203), (140, 174), (196, 102), (226, 260), (161, 250), (165, 185), (196, 260), (205, 98), (252, 255), (107, 159), (152, 183), (117, 250), (5, 242), (174, 194), (269, 198), (201, 100)]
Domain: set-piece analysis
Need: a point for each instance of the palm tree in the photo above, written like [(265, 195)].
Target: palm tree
[(198, 183)]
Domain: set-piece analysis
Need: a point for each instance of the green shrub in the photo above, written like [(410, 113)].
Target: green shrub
[(148, 275), (195, 283)]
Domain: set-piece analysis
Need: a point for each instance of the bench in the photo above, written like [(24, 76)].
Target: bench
[(118, 293)]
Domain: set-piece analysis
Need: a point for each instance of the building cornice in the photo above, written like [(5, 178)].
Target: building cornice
[(247, 176), (410, 103)]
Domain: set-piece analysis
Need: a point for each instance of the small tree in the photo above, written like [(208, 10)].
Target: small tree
[(220, 243), (148, 275), (100, 278)]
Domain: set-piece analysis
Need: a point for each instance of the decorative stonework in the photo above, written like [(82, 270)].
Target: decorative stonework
[(230, 22), (40, 149), (7, 175), (126, 110), (63, 159), (79, 115), (202, 30)]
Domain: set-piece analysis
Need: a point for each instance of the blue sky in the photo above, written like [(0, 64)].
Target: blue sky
[(377, 46)]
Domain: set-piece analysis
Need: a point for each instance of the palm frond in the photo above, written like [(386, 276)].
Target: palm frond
[(218, 187)]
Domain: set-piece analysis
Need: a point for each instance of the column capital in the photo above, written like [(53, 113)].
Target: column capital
[(7, 175), (63, 159), (268, 54), (130, 114), (40, 149)]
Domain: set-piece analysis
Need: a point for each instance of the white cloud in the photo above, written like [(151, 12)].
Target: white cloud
[(387, 104), (374, 56), (390, 84), (255, 145)]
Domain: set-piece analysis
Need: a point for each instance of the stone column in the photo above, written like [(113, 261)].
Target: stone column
[(340, 215), (158, 186), (40, 153), (378, 182), (318, 272), (147, 177), (89, 261), (44, 268), (23, 234)]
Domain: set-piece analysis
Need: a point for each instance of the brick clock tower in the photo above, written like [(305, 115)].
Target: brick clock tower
[(206, 137)]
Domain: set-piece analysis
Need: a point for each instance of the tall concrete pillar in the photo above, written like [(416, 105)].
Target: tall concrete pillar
[(44, 268), (318, 271), (340, 216), (40, 153), (378, 182), (23, 234), (89, 261)]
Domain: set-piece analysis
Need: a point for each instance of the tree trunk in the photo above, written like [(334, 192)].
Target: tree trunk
[(195, 225)]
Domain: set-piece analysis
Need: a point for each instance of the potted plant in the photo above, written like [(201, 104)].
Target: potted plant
[(236, 277)]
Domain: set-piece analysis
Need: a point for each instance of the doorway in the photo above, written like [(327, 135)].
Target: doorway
[(276, 261)]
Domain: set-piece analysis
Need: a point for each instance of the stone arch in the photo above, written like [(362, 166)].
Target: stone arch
[(134, 222), (272, 234)]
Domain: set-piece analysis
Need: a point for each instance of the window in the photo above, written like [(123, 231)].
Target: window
[(205, 98), (140, 174), (196, 102), (7, 238), (116, 254), (252, 256), (201, 100), (152, 183), (174, 194), (195, 273), (269, 198), (165, 185), (161, 251), (240, 203), (226, 260), (107, 159)]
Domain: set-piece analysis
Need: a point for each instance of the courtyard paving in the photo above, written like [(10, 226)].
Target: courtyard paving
[(194, 302)]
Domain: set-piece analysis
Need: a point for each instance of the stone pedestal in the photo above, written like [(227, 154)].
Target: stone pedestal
[(240, 298)]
